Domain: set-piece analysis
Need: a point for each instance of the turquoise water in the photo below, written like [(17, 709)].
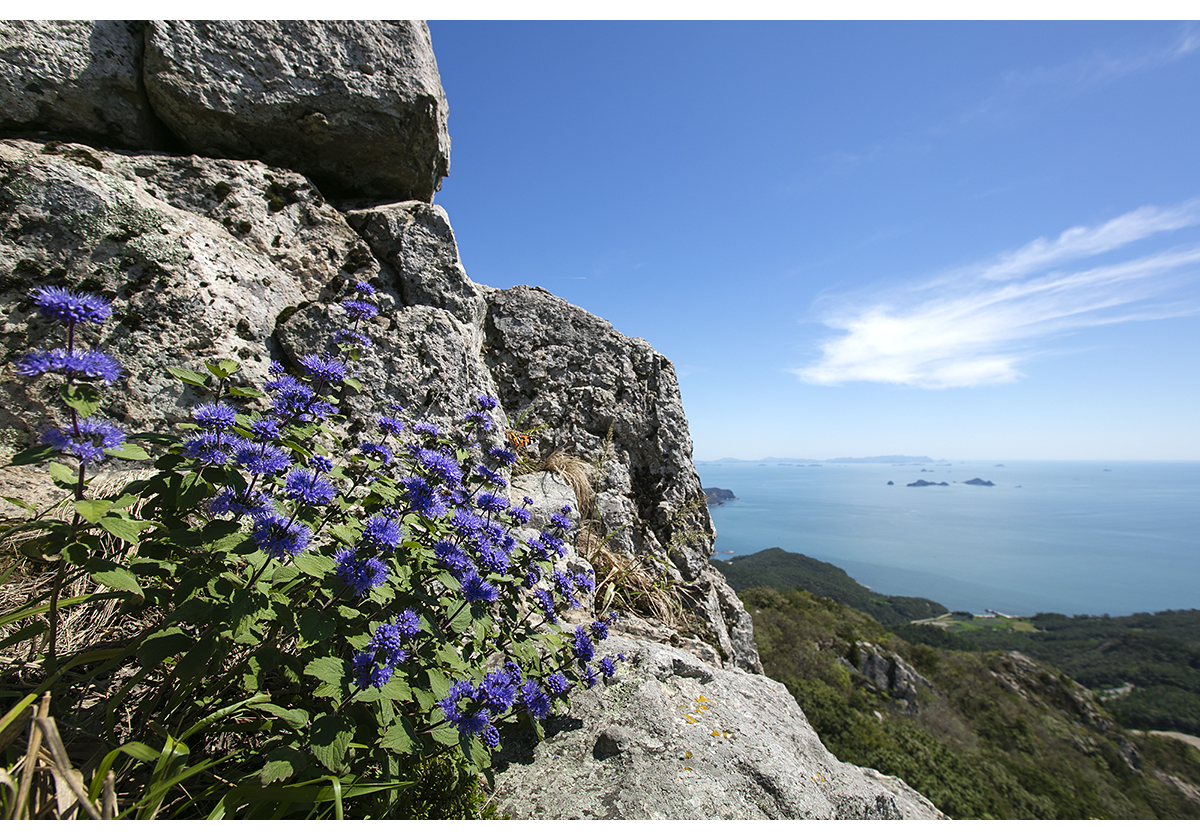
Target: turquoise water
[(1072, 537)]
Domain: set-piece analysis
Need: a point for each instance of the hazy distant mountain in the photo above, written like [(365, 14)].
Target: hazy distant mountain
[(885, 459)]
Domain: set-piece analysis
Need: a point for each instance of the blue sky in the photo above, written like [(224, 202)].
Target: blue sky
[(963, 240)]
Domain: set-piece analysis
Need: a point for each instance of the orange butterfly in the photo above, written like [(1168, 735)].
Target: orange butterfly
[(517, 439)]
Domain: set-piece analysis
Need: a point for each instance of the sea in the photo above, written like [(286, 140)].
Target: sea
[(1074, 537)]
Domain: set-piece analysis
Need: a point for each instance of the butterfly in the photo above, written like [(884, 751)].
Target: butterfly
[(517, 439)]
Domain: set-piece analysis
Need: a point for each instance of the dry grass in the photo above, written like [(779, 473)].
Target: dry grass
[(578, 473)]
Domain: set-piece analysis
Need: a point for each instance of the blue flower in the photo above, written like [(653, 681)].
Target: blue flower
[(365, 288), (55, 303), (582, 645), (360, 575), (583, 582), (476, 589), (426, 429), (408, 623), (210, 448), (376, 663), (607, 666), (279, 538), (491, 478), (381, 532), (560, 522), (87, 364), (326, 370), (535, 702), (477, 418), (471, 724), (451, 557), (490, 502), (589, 677), (503, 456), (423, 498), (359, 309), (546, 601), (442, 466), (348, 336), (497, 692), (487, 402), (93, 442), (214, 417), (260, 457), (367, 673), (377, 452), (265, 430), (518, 515), (320, 464), (600, 630), (389, 425), (231, 500), (308, 487), (557, 684)]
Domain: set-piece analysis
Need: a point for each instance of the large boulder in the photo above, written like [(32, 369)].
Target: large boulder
[(571, 371), (671, 737), (357, 106), (76, 79)]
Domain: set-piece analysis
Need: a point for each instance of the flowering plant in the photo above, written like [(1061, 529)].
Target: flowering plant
[(328, 617)]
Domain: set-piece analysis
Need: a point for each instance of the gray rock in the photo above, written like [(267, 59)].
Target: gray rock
[(415, 239), (573, 372), (79, 79), (357, 106), (151, 233), (672, 737), (890, 674)]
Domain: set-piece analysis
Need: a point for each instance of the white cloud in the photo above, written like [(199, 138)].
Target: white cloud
[(979, 324)]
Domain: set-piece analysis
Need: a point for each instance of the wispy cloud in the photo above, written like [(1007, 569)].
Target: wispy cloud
[(979, 324)]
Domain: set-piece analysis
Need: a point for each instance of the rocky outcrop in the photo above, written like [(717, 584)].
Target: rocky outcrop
[(671, 737), (889, 674), (357, 106), (210, 257)]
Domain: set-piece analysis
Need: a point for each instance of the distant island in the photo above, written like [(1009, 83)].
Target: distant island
[(886, 459), (717, 497), (978, 482), (927, 483)]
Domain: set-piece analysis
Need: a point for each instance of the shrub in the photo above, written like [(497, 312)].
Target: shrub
[(319, 625)]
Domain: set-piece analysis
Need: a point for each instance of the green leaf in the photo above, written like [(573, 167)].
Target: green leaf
[(123, 528), (315, 626), (399, 738), (282, 763), (329, 738), (396, 690), (64, 476), (92, 510), (84, 398), (445, 735), (18, 502), (163, 644), (223, 368), (129, 451), (314, 564), (189, 377), (330, 670), (24, 634), (140, 751), (294, 716), (246, 393), (113, 575), (353, 384), (438, 683), (33, 455)]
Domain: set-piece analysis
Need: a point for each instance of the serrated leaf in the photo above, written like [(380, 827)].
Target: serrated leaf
[(124, 528), (92, 510), (445, 735), (330, 670), (129, 451), (315, 626), (33, 455), (344, 534), (246, 393), (438, 683), (314, 564), (163, 644), (116, 577), (282, 763), (396, 690), (84, 398), (398, 738), (329, 739), (64, 476), (294, 716), (189, 377)]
